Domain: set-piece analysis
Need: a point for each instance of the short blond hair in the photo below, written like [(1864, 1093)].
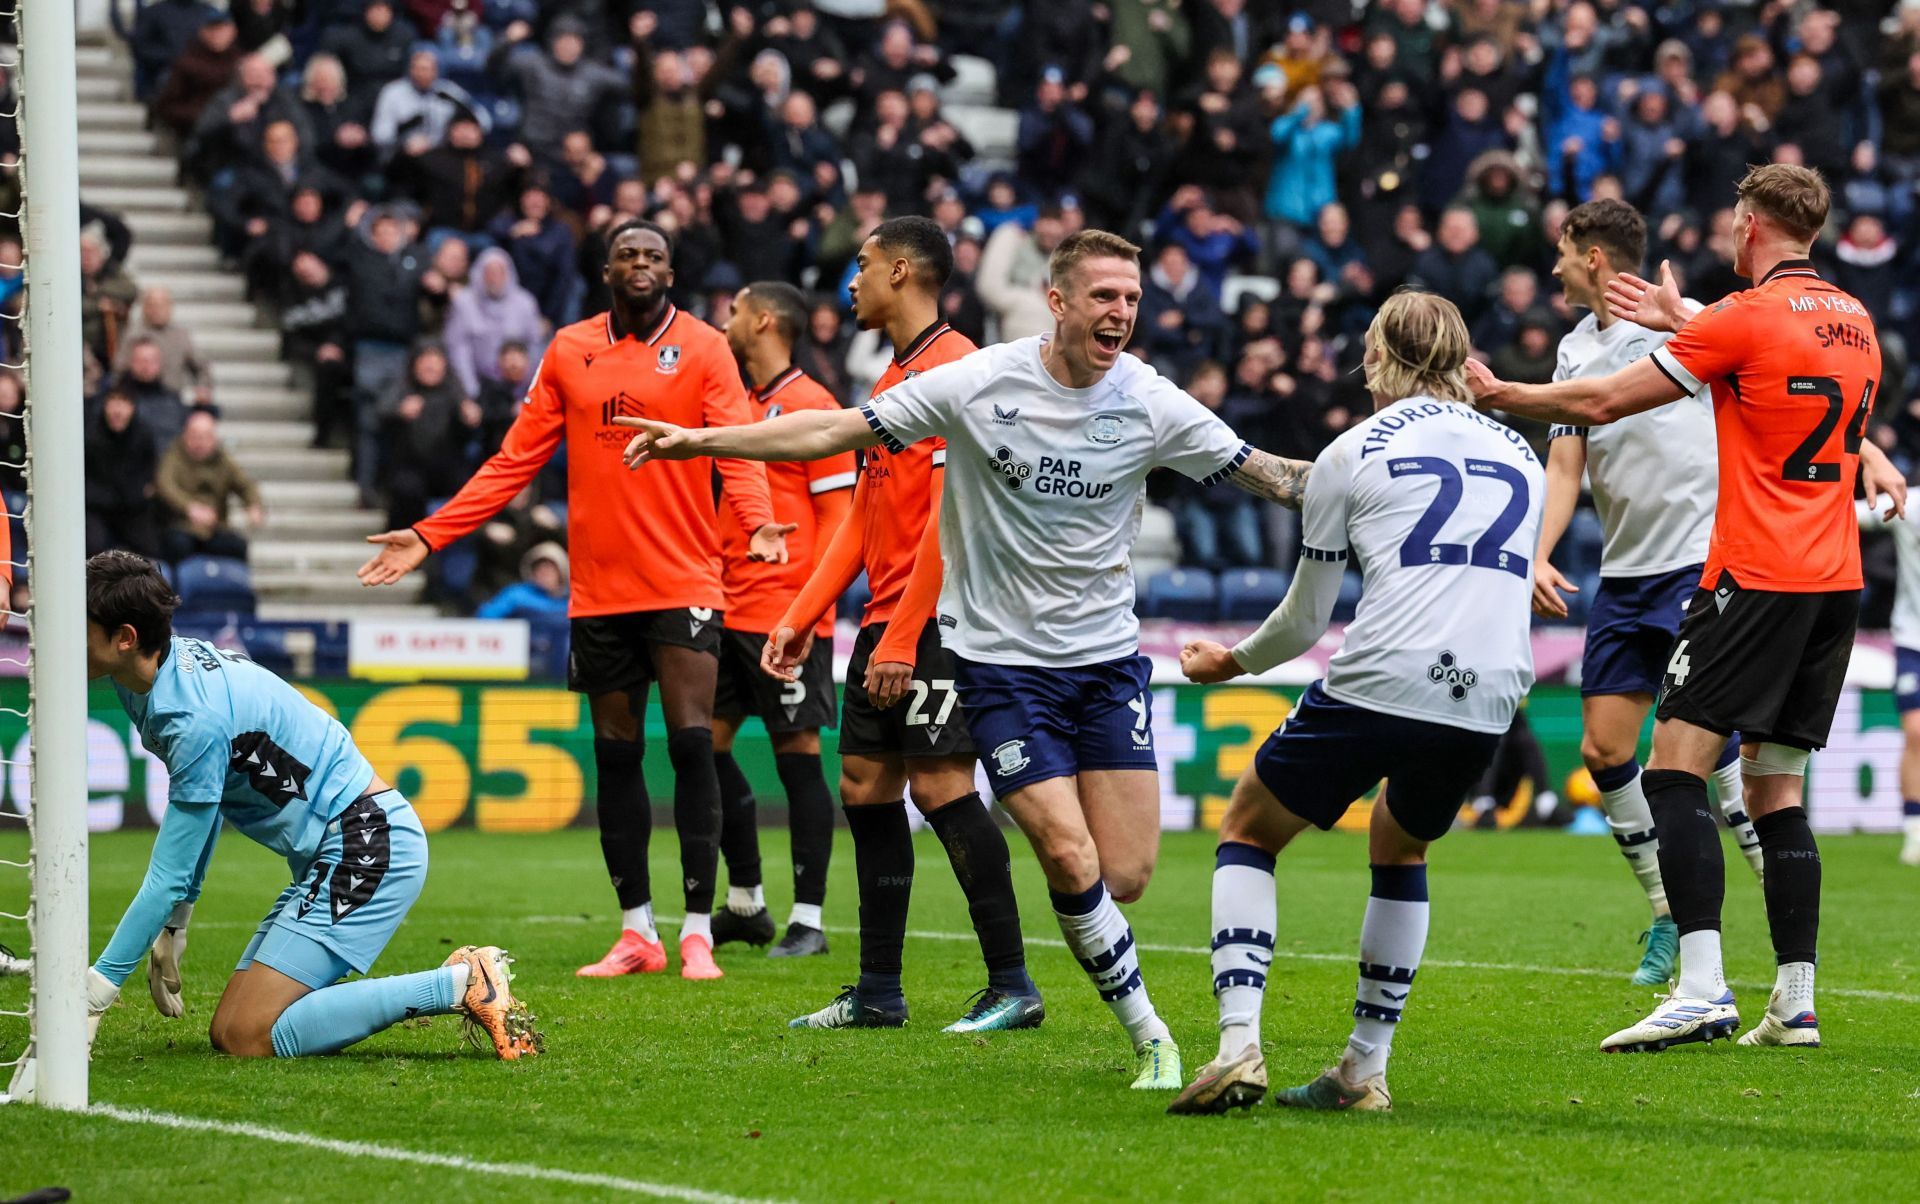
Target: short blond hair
[(1794, 198), (1075, 249), (1422, 346)]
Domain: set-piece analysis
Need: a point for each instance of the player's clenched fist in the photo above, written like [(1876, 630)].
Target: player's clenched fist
[(657, 441), (785, 652), (1207, 662)]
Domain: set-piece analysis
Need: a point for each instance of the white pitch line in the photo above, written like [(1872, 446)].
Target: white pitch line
[(1203, 951), (364, 1149)]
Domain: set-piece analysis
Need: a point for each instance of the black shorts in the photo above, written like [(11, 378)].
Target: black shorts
[(926, 723), (804, 705), (1764, 664), (612, 654)]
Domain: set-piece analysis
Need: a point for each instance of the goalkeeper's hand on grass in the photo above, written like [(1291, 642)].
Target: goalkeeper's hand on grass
[(163, 969)]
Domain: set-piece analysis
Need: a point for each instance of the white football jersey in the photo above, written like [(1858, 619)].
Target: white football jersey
[(1906, 593), (1439, 506), (1654, 475), (1043, 495)]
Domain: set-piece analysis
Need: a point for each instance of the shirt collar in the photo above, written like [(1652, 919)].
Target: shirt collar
[(1792, 267), (904, 355)]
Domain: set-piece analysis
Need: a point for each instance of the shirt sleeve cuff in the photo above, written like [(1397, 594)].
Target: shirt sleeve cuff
[(1558, 431), (1664, 360), (839, 480), (879, 428), (1230, 467)]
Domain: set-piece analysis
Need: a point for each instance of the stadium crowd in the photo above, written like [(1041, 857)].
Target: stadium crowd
[(420, 191)]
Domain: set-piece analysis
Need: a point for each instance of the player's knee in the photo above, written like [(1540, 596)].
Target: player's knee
[(241, 1038), (1070, 864), (1600, 751), (1126, 886)]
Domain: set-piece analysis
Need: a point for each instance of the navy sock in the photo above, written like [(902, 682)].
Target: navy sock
[(977, 850), (883, 867), (1910, 808)]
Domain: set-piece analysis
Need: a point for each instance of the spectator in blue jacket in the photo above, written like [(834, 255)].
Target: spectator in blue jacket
[(541, 592), (1055, 135), (1582, 142), (1309, 141), (1214, 241), (1180, 323)]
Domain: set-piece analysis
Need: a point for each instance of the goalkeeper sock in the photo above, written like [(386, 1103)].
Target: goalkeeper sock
[(332, 1018)]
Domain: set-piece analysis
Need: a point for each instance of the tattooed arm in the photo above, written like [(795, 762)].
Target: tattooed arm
[(1274, 478)]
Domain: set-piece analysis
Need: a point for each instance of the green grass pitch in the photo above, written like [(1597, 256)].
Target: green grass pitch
[(699, 1089)]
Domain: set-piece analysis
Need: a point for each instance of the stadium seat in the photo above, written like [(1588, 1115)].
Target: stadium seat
[(1190, 594), (1349, 599), (212, 584), (1251, 593), (1239, 286)]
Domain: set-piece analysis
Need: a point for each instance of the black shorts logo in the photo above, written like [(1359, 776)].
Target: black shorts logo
[(367, 848), (274, 773)]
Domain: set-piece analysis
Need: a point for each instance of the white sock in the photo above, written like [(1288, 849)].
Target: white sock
[(639, 919), (1701, 973), (1632, 823), (807, 915), (1733, 806), (1392, 938), (459, 971), (1102, 939), (1245, 916), (1792, 990), (745, 900), (697, 923)]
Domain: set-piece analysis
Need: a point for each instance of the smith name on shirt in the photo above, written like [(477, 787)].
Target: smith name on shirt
[(1393, 421)]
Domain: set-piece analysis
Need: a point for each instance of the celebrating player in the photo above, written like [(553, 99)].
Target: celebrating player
[(920, 748), (1653, 476), (766, 319), (1049, 439), (646, 595), (1439, 505), (1794, 364), (241, 745)]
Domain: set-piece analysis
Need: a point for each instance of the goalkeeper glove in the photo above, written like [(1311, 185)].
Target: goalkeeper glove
[(163, 963)]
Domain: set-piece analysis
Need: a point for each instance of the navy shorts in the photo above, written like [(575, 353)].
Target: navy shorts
[(1906, 679), (1031, 723), (1631, 629), (1328, 753)]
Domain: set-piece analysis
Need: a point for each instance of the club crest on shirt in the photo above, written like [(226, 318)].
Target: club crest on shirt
[(1011, 757), (1104, 429), (1634, 350), (669, 359)]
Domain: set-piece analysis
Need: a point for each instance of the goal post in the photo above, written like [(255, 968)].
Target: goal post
[(56, 536)]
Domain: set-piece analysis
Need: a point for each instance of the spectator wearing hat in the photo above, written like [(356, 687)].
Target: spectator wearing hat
[(541, 593), (560, 89), (199, 72), (1505, 208), (198, 480), (492, 311), (1302, 55), (161, 33), (374, 50)]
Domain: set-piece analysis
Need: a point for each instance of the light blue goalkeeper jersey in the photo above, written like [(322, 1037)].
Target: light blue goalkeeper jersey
[(238, 744)]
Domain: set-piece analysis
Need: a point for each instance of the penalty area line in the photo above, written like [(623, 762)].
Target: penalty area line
[(1296, 955), (389, 1153)]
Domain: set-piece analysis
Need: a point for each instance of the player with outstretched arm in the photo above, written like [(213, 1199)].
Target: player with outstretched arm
[(1049, 442)]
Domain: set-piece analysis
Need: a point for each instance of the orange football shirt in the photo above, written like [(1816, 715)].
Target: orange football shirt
[(758, 592), (898, 484), (638, 540), (1794, 364)]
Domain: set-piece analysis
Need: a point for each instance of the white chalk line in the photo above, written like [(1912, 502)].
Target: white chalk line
[(391, 1153)]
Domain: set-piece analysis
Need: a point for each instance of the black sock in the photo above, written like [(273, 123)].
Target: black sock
[(739, 822), (809, 823), (978, 851), (626, 818), (696, 813), (883, 866), (1792, 883), (1691, 866)]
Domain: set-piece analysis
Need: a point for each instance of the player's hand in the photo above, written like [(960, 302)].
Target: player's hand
[(1547, 584), (1485, 385), (887, 683), (101, 994), (163, 971), (1207, 662), (1879, 477), (657, 441), (785, 652), (1654, 306), (400, 553), (769, 544)]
